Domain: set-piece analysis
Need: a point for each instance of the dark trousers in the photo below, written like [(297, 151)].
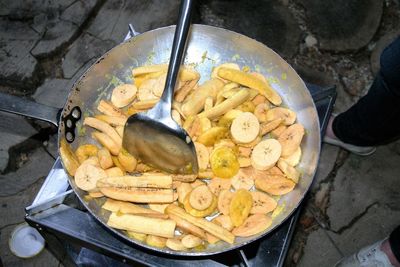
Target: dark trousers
[(394, 240), (375, 118)]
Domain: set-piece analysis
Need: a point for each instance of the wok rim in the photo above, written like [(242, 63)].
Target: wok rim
[(167, 251)]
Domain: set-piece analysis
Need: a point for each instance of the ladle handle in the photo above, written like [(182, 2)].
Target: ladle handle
[(27, 108), (178, 49)]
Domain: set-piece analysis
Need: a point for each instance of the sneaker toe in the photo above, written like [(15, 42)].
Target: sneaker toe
[(358, 150)]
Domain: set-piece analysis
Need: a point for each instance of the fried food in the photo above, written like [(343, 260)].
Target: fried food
[(224, 201), (200, 213), (262, 203), (242, 180), (274, 184), (141, 224), (69, 160), (245, 128), (247, 146), (265, 154), (127, 161), (183, 190), (290, 139), (191, 241), (87, 175), (105, 159), (203, 156), (289, 170), (294, 158), (209, 227), (123, 95), (156, 241), (288, 116), (83, 152), (216, 185), (175, 244), (240, 206), (238, 98), (211, 136), (253, 225), (224, 163), (201, 197), (250, 81)]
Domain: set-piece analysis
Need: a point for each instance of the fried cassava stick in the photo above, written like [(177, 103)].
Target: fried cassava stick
[(130, 208), (156, 180), (139, 195), (209, 227), (141, 224)]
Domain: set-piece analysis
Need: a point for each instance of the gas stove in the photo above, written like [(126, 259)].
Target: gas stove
[(78, 239)]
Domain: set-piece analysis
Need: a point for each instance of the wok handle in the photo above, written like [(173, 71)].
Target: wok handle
[(177, 52), (28, 108)]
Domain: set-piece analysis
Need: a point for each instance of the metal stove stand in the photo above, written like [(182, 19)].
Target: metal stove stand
[(78, 239)]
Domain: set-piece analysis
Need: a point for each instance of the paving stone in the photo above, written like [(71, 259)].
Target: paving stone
[(61, 25), (376, 224), (363, 181), (82, 70), (319, 251), (53, 24), (38, 165), (84, 50), (11, 135), (326, 163), (111, 23), (53, 92), (39, 23), (17, 65), (322, 196), (78, 12), (55, 37), (12, 208), (312, 75), (22, 9), (343, 25), (380, 45), (51, 146), (355, 77), (45, 258), (272, 24)]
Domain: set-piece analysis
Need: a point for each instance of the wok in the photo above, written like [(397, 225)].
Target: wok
[(207, 47)]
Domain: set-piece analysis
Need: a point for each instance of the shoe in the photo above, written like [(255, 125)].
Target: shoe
[(371, 256), (358, 150)]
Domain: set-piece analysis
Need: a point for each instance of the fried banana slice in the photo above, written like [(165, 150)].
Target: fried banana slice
[(253, 225), (240, 206), (290, 139), (224, 163), (275, 184)]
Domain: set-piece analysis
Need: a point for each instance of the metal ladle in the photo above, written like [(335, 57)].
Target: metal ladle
[(153, 136)]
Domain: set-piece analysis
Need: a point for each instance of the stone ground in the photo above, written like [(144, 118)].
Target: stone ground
[(45, 46)]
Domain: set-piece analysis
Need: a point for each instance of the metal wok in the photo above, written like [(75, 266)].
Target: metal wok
[(207, 47)]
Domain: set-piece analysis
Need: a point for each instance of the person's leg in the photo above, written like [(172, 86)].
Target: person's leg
[(375, 118)]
